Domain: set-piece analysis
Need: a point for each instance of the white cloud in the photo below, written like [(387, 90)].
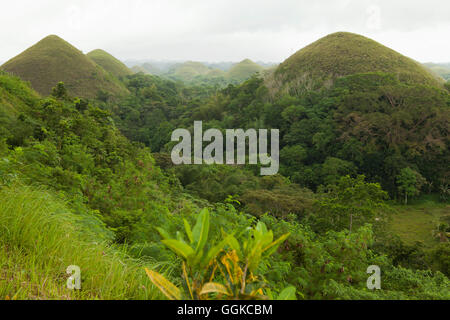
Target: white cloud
[(224, 30)]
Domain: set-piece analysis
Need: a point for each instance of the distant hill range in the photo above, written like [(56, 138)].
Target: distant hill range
[(339, 54), (193, 71), (52, 60), (441, 69)]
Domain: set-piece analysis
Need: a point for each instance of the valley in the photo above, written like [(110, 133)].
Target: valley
[(87, 177)]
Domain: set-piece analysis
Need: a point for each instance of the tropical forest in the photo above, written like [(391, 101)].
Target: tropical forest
[(87, 178)]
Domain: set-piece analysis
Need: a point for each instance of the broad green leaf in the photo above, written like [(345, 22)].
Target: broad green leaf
[(180, 236), (164, 234), (267, 239), (214, 251), (234, 245), (254, 258), (201, 229), (261, 227), (212, 287), (187, 227), (180, 248), (167, 288), (196, 258), (197, 227), (271, 248), (287, 294)]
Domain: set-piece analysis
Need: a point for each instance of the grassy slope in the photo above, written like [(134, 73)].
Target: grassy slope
[(417, 221), (340, 54), (40, 238), (15, 95), (109, 63), (244, 70), (52, 60)]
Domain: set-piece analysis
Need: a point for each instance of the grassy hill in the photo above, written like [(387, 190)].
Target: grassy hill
[(15, 95), (188, 70), (244, 70), (341, 54), (150, 69), (52, 60), (109, 63)]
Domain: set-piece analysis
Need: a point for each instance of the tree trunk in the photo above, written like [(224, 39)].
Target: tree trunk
[(406, 198)]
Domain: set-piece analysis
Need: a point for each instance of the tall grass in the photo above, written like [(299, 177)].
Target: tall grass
[(39, 239)]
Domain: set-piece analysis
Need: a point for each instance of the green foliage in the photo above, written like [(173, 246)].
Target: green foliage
[(238, 263), (447, 85), (350, 202), (60, 91), (440, 258), (347, 129), (409, 183)]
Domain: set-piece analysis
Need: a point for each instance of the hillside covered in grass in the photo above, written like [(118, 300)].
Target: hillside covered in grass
[(109, 63), (244, 70), (41, 237), (54, 60), (341, 54), (15, 96)]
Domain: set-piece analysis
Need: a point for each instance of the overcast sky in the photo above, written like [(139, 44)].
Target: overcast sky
[(227, 30)]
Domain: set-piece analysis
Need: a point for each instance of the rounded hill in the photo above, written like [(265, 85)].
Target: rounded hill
[(188, 70), (244, 70), (116, 67), (341, 54), (52, 60)]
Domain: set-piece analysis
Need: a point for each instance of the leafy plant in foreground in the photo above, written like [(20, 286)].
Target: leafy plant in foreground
[(226, 270)]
